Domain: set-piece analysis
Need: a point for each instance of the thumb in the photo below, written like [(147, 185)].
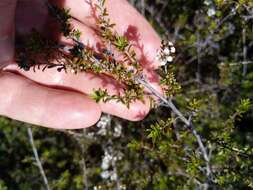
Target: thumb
[(7, 30)]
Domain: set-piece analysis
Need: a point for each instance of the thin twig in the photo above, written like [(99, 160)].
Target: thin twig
[(81, 139), (181, 173), (142, 2), (206, 41), (245, 49), (85, 178), (199, 49), (36, 156), (117, 177), (83, 161)]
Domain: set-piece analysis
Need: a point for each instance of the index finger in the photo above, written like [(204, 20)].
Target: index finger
[(129, 22)]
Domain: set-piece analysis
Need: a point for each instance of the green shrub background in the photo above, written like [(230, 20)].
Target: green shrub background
[(215, 68)]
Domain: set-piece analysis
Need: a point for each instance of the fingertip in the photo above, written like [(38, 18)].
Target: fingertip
[(80, 112), (135, 112), (139, 111)]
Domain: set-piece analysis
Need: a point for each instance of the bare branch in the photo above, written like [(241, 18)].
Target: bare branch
[(82, 162), (36, 156)]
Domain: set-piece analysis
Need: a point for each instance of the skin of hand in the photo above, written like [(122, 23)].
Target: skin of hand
[(58, 99)]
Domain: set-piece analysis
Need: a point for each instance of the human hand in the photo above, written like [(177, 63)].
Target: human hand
[(56, 99)]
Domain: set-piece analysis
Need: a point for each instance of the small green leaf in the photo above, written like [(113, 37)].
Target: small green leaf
[(121, 42), (99, 95)]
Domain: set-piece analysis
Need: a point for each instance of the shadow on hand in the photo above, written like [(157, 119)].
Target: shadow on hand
[(133, 36), (33, 14)]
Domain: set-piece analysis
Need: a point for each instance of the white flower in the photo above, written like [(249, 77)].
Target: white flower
[(207, 2), (162, 63), (211, 12), (105, 164), (114, 176), (102, 124), (170, 44), (91, 134), (169, 58), (166, 51), (117, 130), (73, 71), (104, 120), (173, 50), (105, 174)]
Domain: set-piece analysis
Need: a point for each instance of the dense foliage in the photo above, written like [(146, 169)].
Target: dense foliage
[(213, 90)]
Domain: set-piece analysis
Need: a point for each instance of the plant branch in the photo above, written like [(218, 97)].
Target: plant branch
[(187, 122), (82, 146), (36, 156)]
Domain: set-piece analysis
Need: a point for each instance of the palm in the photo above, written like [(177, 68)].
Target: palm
[(77, 110)]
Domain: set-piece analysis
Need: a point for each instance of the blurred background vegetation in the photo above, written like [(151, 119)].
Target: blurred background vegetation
[(214, 66)]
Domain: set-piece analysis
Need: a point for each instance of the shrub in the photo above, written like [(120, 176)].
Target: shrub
[(198, 137)]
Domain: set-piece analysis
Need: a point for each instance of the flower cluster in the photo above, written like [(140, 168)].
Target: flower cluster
[(103, 124), (108, 164), (166, 54)]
